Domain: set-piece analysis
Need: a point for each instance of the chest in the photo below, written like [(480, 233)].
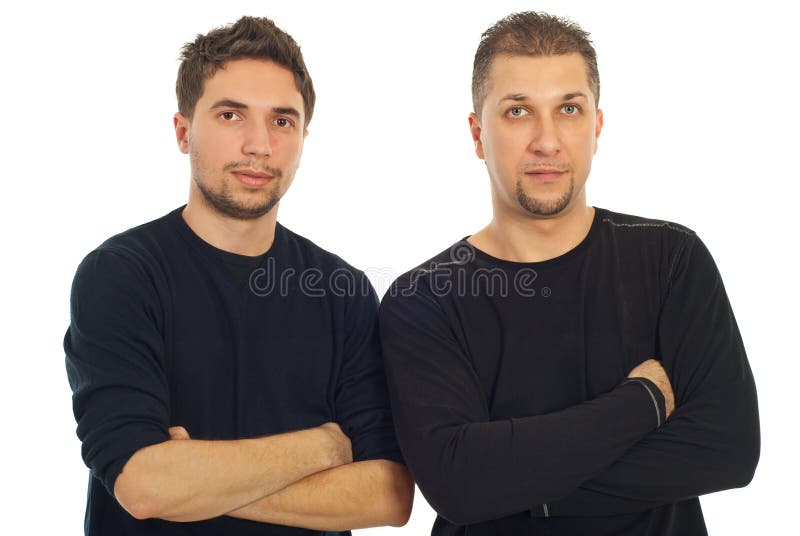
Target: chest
[(244, 365), (577, 336)]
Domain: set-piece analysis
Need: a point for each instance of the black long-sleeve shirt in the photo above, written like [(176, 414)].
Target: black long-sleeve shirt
[(509, 392), (167, 330)]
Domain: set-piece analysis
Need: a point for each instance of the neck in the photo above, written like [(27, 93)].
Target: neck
[(525, 238), (243, 237)]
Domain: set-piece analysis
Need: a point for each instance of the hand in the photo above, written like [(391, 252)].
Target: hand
[(653, 371), (340, 448), (178, 432)]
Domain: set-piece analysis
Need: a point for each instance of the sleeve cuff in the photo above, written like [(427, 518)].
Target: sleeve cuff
[(657, 398)]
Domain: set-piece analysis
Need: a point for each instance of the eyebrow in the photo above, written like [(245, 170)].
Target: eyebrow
[(516, 97), (521, 97), (230, 103), (575, 95), (287, 110)]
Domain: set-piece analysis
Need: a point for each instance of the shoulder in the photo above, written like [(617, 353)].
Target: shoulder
[(129, 255), (323, 273), (442, 266), (666, 248), (307, 254), (622, 223), (419, 294), (142, 240), (645, 236)]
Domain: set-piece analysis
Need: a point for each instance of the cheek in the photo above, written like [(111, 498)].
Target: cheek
[(502, 156), (582, 145), (203, 140), (504, 146), (286, 152)]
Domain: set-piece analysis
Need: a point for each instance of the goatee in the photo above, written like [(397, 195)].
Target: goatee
[(539, 207)]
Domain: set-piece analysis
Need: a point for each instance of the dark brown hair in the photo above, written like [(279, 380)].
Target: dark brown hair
[(248, 37), (531, 34)]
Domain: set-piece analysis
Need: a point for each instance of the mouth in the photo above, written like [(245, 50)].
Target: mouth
[(545, 175), (252, 178)]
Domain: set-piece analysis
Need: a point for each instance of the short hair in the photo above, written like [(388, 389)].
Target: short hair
[(531, 34), (248, 37)]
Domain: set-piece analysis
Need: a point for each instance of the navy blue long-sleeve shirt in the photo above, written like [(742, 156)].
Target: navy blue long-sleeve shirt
[(509, 392), (167, 330)]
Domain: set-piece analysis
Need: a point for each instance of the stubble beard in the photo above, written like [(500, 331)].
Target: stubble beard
[(224, 203), (544, 208)]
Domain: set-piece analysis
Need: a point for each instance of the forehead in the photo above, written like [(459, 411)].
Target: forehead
[(538, 76), (253, 82)]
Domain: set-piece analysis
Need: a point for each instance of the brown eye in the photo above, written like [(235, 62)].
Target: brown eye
[(228, 116), (283, 122)]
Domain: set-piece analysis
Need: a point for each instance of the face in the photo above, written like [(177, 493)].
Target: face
[(537, 132), (244, 138)]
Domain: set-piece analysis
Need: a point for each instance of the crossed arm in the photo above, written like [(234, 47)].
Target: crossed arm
[(305, 479), (116, 367), (601, 457), (712, 441)]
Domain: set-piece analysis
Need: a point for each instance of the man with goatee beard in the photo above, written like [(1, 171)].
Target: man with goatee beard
[(566, 370)]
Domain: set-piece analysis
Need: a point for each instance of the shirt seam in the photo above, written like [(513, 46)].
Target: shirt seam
[(652, 397), (666, 224)]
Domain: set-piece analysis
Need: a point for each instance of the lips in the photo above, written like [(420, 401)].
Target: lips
[(253, 178), (545, 175)]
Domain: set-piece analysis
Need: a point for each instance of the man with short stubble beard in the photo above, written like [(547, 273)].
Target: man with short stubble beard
[(226, 372), (566, 370)]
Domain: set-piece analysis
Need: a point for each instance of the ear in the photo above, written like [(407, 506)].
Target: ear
[(475, 131), (182, 124), (598, 127)]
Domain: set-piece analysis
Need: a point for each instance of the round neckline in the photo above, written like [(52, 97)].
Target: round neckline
[(221, 254), (555, 261)]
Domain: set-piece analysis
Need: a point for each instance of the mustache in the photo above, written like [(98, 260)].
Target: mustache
[(540, 166), (235, 166)]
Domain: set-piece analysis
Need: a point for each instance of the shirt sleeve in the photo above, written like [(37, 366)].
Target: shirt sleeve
[(362, 401), (711, 442), (471, 468), (115, 363)]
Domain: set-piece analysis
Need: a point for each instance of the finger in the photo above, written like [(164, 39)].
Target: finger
[(178, 432)]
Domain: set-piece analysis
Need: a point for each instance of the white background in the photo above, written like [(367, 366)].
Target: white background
[(701, 127)]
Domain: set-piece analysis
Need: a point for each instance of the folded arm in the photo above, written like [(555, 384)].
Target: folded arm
[(358, 495), (472, 468), (376, 489), (117, 368), (193, 480), (711, 442)]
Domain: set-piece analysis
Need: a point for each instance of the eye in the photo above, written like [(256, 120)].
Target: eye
[(570, 109), (283, 122), (230, 116), (517, 111)]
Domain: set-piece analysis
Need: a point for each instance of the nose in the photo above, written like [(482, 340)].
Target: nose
[(257, 141), (544, 137)]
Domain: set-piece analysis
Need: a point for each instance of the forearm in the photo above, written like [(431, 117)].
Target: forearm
[(712, 441), (472, 468), (485, 470), (358, 495), (189, 480), (711, 444)]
